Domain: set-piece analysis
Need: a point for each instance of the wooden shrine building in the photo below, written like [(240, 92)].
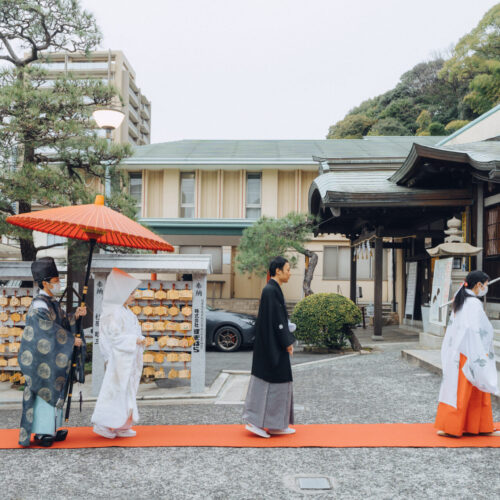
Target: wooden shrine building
[(406, 209)]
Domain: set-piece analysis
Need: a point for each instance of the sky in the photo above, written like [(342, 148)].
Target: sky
[(273, 69)]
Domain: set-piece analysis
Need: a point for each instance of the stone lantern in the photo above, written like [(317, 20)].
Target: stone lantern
[(453, 247)]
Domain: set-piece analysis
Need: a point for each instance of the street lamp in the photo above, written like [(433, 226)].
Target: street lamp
[(108, 119)]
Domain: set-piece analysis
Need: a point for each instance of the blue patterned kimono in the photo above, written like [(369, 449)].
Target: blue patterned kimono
[(45, 361)]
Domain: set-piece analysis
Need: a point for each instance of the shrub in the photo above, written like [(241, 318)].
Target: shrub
[(436, 128), (455, 125), (326, 320)]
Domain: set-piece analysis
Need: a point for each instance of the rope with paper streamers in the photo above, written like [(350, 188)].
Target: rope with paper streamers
[(364, 249)]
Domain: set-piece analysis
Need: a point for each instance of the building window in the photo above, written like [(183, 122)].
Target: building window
[(493, 231), (187, 195), (215, 252), (336, 263), (365, 269), (253, 198), (135, 187)]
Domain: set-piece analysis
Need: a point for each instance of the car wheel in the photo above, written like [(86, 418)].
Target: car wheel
[(228, 339)]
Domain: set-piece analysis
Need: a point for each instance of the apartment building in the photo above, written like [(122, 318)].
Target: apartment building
[(112, 67)]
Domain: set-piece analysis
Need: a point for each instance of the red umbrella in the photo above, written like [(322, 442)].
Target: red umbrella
[(94, 223)]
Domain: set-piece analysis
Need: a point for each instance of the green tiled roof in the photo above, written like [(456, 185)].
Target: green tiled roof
[(353, 182), (274, 151), (483, 151), (482, 155)]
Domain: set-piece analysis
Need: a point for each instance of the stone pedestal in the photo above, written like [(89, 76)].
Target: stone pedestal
[(432, 337)]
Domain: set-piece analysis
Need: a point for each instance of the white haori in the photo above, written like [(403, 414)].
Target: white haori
[(469, 333), (119, 331), (269, 405)]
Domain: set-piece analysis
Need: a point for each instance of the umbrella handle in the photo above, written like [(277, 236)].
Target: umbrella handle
[(79, 328)]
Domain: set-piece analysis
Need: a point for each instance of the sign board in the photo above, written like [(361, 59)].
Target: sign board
[(173, 355), (411, 289), (441, 285)]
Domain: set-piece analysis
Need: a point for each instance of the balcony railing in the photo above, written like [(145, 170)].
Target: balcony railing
[(133, 98), (132, 129), (133, 115)]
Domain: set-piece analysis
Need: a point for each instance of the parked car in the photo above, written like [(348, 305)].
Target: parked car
[(228, 331)]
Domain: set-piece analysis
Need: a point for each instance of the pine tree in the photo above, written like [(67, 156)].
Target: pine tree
[(269, 238), (50, 152)]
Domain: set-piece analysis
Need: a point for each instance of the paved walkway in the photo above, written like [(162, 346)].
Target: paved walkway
[(368, 388)]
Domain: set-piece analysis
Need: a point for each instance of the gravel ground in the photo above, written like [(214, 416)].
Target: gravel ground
[(242, 360), (378, 387)]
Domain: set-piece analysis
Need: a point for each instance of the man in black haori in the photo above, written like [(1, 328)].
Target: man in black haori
[(45, 359), (269, 401)]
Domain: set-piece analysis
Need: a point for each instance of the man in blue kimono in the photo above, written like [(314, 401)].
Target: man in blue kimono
[(45, 358)]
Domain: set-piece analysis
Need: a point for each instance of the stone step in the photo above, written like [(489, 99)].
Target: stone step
[(433, 342), (496, 348), (430, 359)]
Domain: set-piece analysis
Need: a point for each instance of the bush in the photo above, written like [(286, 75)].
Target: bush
[(436, 128), (455, 125), (325, 320)]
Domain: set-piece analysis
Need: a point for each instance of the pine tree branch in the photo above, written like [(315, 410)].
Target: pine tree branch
[(13, 56), (7, 209), (47, 247)]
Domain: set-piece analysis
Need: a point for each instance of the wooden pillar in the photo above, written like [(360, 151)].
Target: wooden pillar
[(354, 268), (480, 225), (378, 282)]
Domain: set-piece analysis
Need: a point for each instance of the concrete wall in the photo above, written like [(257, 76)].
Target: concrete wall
[(220, 193)]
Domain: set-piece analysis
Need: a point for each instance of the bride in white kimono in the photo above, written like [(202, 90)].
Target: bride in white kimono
[(122, 346)]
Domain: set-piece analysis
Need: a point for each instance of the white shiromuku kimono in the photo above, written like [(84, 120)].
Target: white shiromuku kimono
[(116, 405), (469, 333)]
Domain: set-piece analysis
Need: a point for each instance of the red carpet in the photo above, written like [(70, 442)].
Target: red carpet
[(235, 436)]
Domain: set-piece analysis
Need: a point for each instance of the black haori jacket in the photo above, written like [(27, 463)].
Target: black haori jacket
[(271, 361)]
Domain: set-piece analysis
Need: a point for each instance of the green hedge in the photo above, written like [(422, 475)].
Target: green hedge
[(325, 320)]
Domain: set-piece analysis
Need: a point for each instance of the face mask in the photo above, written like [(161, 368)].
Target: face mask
[(483, 291), (55, 288)]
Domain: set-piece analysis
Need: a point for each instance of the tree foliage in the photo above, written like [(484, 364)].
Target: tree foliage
[(269, 237), (438, 91), (351, 127), (389, 126), (40, 25), (50, 152), (455, 125)]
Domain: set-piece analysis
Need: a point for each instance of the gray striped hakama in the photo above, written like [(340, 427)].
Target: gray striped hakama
[(269, 405)]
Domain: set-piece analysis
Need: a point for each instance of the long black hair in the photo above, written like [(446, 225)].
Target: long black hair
[(472, 279)]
